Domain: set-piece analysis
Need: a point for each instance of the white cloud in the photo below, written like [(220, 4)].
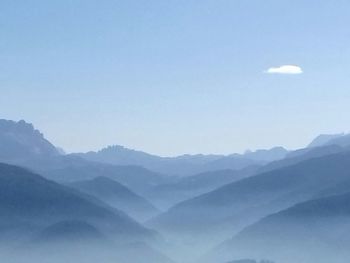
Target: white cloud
[(285, 69)]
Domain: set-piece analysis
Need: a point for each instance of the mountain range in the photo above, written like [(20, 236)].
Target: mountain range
[(167, 194), (118, 196), (318, 227), (185, 164), (19, 140), (222, 213), (30, 203), (122, 205)]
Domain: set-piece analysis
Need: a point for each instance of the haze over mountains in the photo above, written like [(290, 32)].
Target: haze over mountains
[(118, 196), (275, 204), (30, 202), (164, 195), (19, 140), (34, 209), (185, 164), (313, 230)]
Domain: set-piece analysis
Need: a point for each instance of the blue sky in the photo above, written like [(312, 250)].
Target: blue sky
[(172, 77)]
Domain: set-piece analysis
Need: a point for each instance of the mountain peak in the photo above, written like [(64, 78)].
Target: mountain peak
[(20, 127), (21, 140), (323, 139)]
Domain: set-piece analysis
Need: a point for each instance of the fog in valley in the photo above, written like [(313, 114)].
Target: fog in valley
[(278, 205), (152, 131)]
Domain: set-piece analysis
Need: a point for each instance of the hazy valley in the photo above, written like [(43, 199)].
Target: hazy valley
[(110, 206)]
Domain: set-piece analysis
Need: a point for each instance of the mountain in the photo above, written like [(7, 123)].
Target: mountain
[(184, 164), (120, 155), (42, 221), (230, 208), (166, 195), (341, 139), (118, 196), (61, 151), (180, 165), (26, 146), (29, 203), (231, 162), (19, 140), (21, 144), (70, 169), (300, 155), (273, 154), (324, 139), (312, 231)]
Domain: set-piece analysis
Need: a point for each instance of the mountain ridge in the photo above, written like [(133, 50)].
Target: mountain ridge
[(118, 196), (184, 164)]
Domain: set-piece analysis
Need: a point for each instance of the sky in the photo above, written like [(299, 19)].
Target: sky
[(177, 76)]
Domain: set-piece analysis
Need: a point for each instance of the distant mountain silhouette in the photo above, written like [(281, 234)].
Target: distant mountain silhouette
[(191, 186), (221, 211), (290, 206), (166, 195), (70, 169), (118, 196), (300, 155), (181, 165), (21, 144), (29, 203), (324, 139), (184, 164), (341, 139), (19, 140), (120, 155), (273, 154), (60, 150), (312, 231)]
